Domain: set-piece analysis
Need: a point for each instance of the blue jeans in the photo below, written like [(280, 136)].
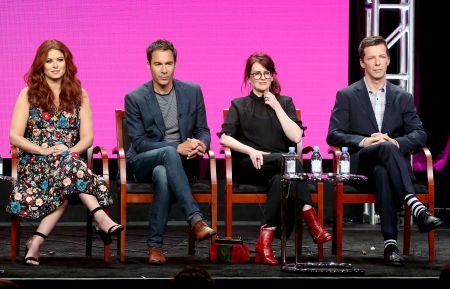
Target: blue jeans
[(164, 168)]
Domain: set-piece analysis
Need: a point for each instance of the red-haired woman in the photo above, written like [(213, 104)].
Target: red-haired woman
[(258, 129), (51, 125)]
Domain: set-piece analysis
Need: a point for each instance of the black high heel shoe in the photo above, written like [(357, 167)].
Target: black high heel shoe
[(112, 231), (33, 261)]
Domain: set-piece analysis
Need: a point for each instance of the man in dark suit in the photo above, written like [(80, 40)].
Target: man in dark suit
[(378, 122), (166, 123)]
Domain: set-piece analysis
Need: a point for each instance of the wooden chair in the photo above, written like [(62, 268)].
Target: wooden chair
[(203, 191), (240, 193), (354, 194), (15, 221)]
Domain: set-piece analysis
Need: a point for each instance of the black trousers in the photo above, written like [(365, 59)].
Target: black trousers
[(392, 177), (270, 176)]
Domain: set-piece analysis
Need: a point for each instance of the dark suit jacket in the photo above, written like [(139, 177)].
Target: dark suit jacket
[(145, 122), (353, 119)]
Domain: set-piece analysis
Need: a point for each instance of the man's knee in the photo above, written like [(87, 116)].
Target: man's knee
[(388, 147), (170, 152), (159, 175)]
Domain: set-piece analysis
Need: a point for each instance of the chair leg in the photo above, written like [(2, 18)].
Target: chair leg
[(407, 231), (191, 244), (15, 238), (123, 234), (407, 236), (431, 253), (89, 229), (334, 211), (89, 237), (107, 247), (298, 237), (320, 190), (228, 218), (213, 205), (339, 219)]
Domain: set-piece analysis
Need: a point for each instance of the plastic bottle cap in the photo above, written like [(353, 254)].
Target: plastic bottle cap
[(344, 149), (291, 149), (316, 148)]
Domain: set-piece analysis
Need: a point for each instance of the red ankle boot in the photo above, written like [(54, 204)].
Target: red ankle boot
[(263, 249), (317, 231)]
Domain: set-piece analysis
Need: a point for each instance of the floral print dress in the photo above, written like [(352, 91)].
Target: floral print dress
[(44, 182)]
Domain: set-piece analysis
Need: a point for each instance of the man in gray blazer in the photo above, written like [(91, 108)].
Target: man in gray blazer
[(378, 122), (166, 123)]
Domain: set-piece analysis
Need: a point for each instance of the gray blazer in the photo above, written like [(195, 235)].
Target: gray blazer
[(145, 122)]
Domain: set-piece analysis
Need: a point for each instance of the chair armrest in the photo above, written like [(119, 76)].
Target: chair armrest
[(228, 165), (121, 164), (304, 151), (429, 161), (212, 167), (14, 163), (336, 152), (307, 150), (105, 166)]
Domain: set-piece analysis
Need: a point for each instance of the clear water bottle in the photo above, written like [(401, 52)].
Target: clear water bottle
[(290, 163), (316, 162), (1, 166), (344, 162)]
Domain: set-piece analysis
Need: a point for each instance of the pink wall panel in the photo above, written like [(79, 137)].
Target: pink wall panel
[(307, 39)]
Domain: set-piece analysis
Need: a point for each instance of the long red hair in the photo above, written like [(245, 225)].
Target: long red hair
[(39, 92)]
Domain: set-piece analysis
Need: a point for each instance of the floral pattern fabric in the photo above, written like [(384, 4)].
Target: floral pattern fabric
[(44, 182)]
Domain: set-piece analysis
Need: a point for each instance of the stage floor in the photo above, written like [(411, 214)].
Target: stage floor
[(62, 258)]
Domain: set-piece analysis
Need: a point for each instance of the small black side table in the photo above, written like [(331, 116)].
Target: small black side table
[(309, 267)]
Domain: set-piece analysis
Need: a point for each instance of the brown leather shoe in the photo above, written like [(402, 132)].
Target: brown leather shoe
[(200, 231), (156, 256)]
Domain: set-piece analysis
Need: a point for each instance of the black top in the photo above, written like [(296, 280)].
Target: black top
[(254, 123)]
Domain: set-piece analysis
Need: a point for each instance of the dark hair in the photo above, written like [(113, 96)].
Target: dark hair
[(193, 277), (4, 283), (371, 41), (39, 92), (161, 44), (445, 273), (267, 62)]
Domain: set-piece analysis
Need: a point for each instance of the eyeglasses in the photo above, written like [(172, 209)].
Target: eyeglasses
[(257, 75)]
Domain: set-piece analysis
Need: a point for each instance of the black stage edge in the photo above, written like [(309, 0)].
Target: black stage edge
[(64, 266), (227, 283)]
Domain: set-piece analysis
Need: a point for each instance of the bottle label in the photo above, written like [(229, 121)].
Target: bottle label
[(316, 167), (290, 167), (344, 167)]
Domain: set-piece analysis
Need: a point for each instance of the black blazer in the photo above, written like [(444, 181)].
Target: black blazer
[(145, 122), (352, 119)]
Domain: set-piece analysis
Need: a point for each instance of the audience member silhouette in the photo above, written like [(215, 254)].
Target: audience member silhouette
[(193, 277)]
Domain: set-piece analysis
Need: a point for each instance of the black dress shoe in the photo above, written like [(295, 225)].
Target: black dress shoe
[(426, 222), (392, 256)]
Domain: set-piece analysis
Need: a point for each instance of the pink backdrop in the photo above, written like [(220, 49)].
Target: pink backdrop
[(307, 39)]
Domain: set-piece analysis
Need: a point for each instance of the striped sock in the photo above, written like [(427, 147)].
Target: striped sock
[(390, 242), (415, 205)]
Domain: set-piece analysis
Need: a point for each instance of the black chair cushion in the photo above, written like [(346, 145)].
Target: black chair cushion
[(366, 189), (146, 188)]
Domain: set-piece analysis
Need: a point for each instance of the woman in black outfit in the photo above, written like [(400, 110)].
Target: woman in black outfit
[(258, 129)]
